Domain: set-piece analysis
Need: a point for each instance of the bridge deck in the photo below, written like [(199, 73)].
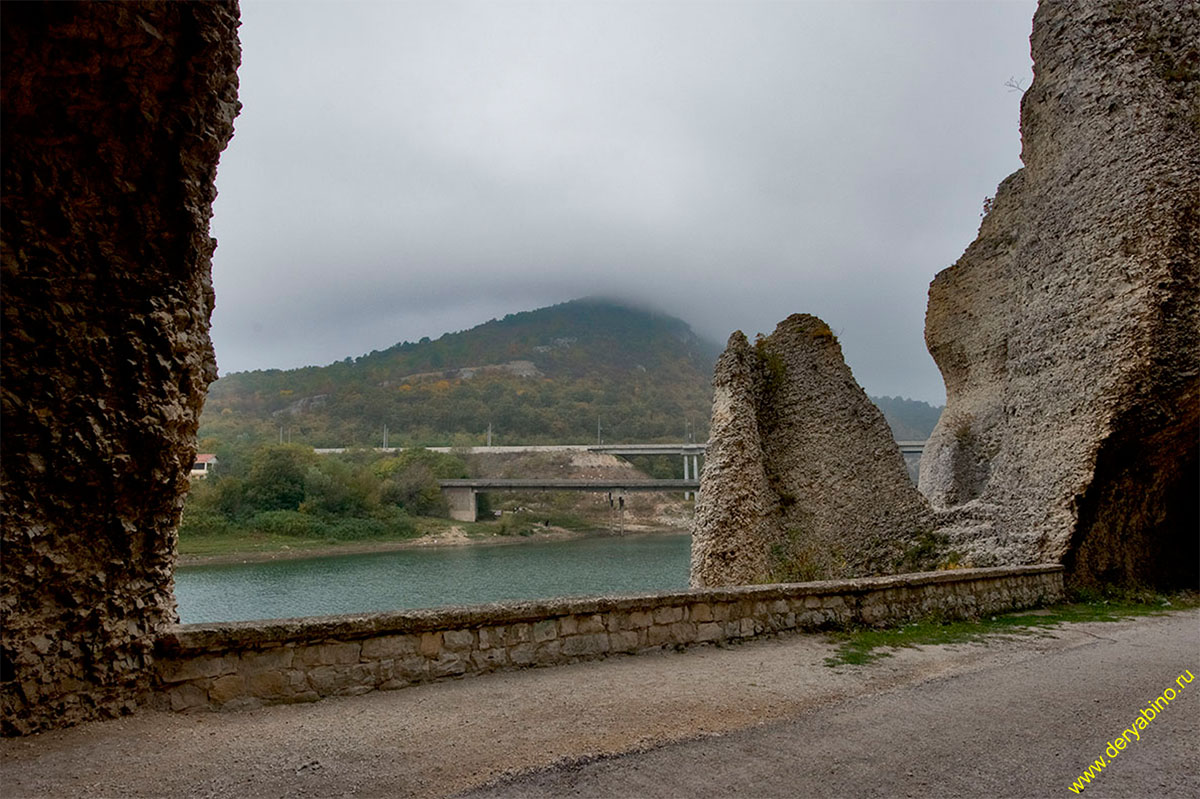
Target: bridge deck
[(572, 485), (907, 447)]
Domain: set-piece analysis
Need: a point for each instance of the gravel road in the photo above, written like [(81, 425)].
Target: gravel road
[(1012, 717)]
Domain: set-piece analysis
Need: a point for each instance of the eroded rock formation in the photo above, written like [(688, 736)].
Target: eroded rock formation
[(802, 480), (1068, 334), (114, 118)]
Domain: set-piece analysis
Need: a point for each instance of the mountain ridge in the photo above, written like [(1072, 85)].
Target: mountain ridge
[(549, 375)]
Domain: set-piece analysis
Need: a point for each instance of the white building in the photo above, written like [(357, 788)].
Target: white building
[(205, 463)]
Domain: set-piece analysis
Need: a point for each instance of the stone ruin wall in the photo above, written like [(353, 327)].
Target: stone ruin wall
[(1068, 334), (242, 665), (114, 118)]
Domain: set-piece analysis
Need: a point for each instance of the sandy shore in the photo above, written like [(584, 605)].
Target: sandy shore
[(453, 537)]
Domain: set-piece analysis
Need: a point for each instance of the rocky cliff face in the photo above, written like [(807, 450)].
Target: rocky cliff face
[(114, 118), (802, 480), (1068, 334)]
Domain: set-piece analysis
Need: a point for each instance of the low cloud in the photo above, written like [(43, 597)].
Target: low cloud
[(406, 169)]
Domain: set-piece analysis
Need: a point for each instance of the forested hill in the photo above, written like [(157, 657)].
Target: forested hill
[(544, 376)]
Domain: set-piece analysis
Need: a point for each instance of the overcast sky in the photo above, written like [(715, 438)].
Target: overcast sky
[(405, 169)]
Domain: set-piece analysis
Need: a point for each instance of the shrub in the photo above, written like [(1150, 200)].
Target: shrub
[(201, 521), (288, 522), (356, 529)]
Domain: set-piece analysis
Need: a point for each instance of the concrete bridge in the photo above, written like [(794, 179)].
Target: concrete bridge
[(461, 493), (693, 449)]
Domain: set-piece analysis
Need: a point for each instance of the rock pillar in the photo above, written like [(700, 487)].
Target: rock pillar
[(115, 115), (802, 479), (1068, 334)]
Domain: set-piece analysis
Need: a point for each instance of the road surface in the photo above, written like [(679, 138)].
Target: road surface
[(1016, 717)]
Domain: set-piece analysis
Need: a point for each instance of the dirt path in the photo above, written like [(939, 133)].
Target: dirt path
[(1008, 725), (445, 738)]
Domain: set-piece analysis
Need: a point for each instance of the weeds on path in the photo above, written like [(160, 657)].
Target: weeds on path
[(864, 645)]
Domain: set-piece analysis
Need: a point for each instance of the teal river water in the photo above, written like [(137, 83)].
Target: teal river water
[(424, 578)]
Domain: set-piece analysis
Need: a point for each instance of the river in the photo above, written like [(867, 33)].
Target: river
[(424, 578)]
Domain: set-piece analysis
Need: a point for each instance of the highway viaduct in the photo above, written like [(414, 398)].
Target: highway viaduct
[(460, 494)]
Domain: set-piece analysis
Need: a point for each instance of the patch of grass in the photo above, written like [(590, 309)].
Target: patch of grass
[(238, 542), (865, 645)]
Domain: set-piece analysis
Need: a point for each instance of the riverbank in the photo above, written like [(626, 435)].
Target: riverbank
[(436, 533)]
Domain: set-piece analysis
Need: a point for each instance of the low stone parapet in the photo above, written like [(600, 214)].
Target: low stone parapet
[(237, 665)]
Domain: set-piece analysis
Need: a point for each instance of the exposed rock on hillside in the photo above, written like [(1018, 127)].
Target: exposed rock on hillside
[(114, 117), (802, 479), (1068, 334)]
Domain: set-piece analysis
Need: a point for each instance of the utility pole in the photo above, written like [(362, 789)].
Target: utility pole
[(598, 441), (489, 438), (385, 432)]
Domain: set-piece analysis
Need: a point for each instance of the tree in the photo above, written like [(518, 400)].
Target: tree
[(277, 477)]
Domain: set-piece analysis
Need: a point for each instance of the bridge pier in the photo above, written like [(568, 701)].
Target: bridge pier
[(691, 462), (461, 499)]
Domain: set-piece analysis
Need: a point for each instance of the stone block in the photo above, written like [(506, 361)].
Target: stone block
[(413, 669), (195, 668), (489, 659), (384, 669), (328, 654), (187, 696), (521, 633), (659, 635), (668, 615), (523, 654), (640, 619), (591, 624), (585, 645), (459, 640), (227, 688), (297, 680), (617, 621), (568, 625), (390, 646), (490, 636), (356, 690), (273, 659), (709, 631), (342, 679), (447, 664), (268, 684), (683, 632), (624, 641), (431, 644), (700, 612), (549, 652), (546, 630), (302, 696)]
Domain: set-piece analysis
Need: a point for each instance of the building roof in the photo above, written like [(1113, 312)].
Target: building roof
[(206, 457)]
